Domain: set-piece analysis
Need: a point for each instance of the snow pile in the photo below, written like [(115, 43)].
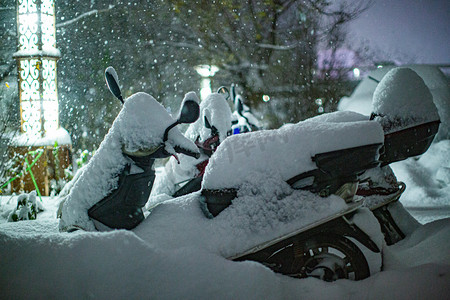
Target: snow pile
[(439, 86), (265, 209), (402, 100), (142, 122), (286, 152), (60, 135), (27, 208), (427, 178), (140, 125), (176, 253), (404, 254)]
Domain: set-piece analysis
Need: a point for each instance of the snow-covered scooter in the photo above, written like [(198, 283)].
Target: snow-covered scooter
[(243, 118), (184, 176), (332, 154), (116, 183), (216, 122)]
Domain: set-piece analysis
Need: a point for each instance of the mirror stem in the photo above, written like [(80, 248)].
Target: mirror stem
[(166, 133)]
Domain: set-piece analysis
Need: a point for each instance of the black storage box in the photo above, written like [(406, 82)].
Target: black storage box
[(413, 141)]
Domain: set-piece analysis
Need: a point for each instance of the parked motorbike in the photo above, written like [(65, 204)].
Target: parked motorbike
[(242, 121), (243, 118), (184, 176), (358, 173), (327, 248), (116, 183)]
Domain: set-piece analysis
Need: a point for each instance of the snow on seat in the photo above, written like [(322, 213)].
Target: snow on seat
[(314, 147)]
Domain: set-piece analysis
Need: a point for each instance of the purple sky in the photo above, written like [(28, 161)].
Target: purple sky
[(418, 30)]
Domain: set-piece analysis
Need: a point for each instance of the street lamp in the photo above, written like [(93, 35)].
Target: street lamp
[(206, 72), (36, 59)]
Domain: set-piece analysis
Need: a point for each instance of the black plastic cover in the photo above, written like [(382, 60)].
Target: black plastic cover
[(408, 142), (122, 208)]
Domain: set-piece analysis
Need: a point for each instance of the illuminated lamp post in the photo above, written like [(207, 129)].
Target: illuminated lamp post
[(36, 59), (206, 72)]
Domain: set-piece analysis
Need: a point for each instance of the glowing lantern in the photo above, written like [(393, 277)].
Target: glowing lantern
[(36, 58), (36, 61)]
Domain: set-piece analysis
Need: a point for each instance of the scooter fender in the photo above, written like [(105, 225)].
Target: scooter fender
[(344, 227)]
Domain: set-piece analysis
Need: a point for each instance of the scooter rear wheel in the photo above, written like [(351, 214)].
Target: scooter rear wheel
[(326, 256)]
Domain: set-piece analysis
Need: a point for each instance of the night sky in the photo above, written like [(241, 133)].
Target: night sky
[(409, 30)]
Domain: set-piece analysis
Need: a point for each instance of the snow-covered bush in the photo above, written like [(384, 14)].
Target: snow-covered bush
[(27, 208)]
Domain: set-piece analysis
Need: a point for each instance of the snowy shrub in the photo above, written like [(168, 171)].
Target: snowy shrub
[(83, 158), (9, 168), (27, 208)]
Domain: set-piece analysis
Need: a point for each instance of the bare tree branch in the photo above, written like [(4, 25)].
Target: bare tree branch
[(278, 47), (8, 70), (84, 15)]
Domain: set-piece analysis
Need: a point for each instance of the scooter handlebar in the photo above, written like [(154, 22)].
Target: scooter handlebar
[(185, 151)]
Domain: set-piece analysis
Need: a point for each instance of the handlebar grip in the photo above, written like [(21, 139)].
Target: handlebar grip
[(187, 152)]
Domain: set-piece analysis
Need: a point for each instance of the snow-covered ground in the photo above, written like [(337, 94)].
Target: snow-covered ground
[(177, 253)]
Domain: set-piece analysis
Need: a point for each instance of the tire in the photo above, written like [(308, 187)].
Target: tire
[(325, 256)]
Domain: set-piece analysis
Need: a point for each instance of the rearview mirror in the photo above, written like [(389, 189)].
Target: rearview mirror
[(224, 91), (189, 112), (112, 80)]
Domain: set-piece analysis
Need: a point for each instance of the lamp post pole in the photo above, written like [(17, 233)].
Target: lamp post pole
[(36, 59)]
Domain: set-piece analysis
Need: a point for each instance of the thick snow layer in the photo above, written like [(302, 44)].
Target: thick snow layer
[(286, 152), (46, 51), (60, 135), (179, 254), (402, 100), (218, 112), (339, 116), (140, 125), (361, 99), (248, 222)]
